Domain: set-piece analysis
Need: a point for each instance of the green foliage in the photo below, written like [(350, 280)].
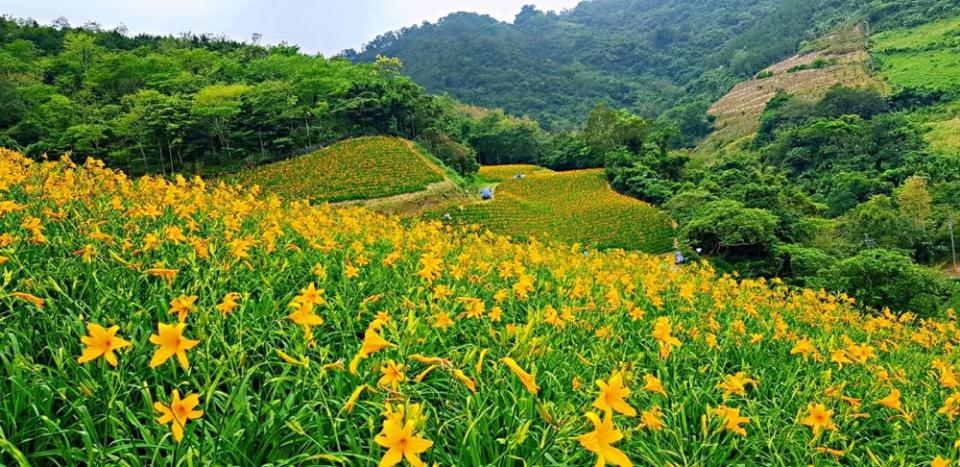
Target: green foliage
[(877, 222), (195, 103), (803, 264), (841, 157), (786, 111), (882, 278), (501, 139), (689, 121), (608, 129), (568, 151), (738, 233), (814, 65), (457, 156), (841, 100), (642, 55), (850, 189), (923, 58)]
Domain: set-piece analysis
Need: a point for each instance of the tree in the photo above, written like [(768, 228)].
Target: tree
[(607, 129), (803, 265), (846, 190), (882, 278), (12, 107), (270, 115), (842, 100), (80, 50), (218, 105), (457, 156), (914, 201), (502, 139), (728, 229), (878, 223), (390, 67)]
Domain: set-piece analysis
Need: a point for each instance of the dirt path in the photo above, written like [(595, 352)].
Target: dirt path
[(435, 194)]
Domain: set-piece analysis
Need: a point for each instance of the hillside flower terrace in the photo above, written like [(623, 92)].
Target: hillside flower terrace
[(152, 321)]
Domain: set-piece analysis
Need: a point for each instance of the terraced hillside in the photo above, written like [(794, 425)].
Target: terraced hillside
[(574, 207), (361, 168), (838, 58), (502, 173)]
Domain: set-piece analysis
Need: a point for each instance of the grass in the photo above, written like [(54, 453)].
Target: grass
[(575, 206), (361, 168), (944, 136), (920, 57), (83, 245), (917, 37), (934, 69)]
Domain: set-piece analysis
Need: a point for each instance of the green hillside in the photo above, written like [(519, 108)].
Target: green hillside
[(922, 63), (924, 57), (729, 240), (199, 103)]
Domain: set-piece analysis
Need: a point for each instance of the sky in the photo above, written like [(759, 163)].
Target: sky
[(324, 26)]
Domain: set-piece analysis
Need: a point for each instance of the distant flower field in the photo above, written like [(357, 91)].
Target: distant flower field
[(503, 173), (574, 207), (155, 322), (360, 168)]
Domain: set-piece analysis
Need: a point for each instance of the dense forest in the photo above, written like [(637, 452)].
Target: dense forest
[(651, 57), (202, 103)]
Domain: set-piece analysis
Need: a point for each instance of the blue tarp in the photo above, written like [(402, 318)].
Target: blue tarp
[(486, 193)]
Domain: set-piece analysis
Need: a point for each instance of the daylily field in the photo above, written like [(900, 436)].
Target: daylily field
[(177, 322), (358, 168), (576, 206)]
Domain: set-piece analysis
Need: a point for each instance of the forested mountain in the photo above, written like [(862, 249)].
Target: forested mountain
[(646, 56)]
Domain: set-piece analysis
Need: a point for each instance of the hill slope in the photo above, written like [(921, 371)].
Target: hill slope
[(924, 61), (575, 206), (839, 58), (643, 55), (360, 168), (635, 54), (924, 57), (310, 328)]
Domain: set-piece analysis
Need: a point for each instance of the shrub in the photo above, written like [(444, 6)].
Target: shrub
[(884, 278), (727, 228), (457, 156)]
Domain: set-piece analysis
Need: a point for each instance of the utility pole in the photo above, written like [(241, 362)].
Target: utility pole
[(953, 245)]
